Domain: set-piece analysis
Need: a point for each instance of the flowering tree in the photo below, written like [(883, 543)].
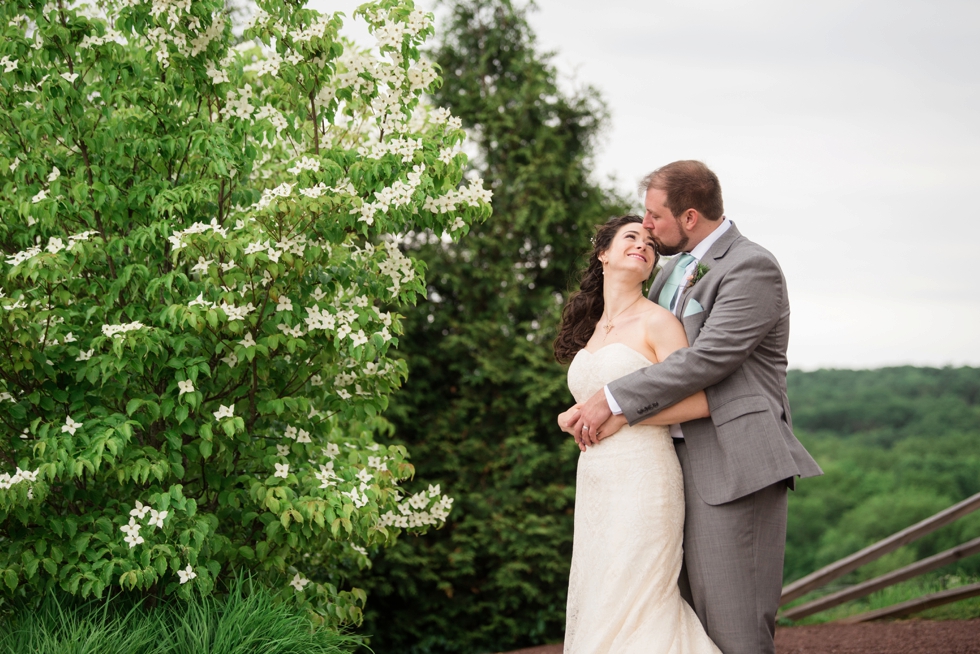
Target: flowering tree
[(198, 260)]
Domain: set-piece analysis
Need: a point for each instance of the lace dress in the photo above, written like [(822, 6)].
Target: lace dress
[(623, 596)]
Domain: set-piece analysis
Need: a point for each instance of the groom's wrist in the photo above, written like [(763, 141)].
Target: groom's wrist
[(611, 401)]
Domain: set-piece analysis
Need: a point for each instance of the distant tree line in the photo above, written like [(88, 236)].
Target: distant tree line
[(897, 445)]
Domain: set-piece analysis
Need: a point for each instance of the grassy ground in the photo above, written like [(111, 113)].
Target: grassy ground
[(243, 622), (912, 589)]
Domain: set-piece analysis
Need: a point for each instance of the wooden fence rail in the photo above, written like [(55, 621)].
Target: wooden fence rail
[(866, 588), (871, 553), (916, 605)]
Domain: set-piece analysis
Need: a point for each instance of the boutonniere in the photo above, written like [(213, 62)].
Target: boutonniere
[(700, 271)]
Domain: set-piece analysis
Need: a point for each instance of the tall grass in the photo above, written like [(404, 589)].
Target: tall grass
[(247, 620)]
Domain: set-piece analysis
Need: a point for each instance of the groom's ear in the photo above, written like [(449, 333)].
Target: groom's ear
[(690, 219)]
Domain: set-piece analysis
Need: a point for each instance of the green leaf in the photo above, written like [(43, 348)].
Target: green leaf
[(133, 405), (10, 579)]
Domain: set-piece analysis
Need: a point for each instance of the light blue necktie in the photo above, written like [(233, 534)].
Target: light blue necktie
[(676, 282)]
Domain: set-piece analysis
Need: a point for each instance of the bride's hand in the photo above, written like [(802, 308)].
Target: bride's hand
[(611, 426), (567, 419)]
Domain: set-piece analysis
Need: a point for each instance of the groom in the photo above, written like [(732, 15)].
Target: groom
[(730, 295)]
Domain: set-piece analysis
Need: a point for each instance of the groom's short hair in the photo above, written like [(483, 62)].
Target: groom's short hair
[(689, 185)]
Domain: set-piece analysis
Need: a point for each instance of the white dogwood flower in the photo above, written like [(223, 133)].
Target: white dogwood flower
[(186, 574), (133, 540), (224, 412), (299, 582), (157, 518), (70, 426), (200, 301), (116, 331), (326, 476), (202, 265), (359, 499), (282, 470), (418, 501), (140, 511), (132, 531), (185, 387)]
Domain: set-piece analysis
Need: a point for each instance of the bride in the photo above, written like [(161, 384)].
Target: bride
[(627, 551)]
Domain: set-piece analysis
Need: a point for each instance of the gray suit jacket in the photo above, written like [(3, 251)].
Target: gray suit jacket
[(737, 322)]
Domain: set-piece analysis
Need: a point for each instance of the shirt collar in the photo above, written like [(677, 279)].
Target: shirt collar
[(705, 245)]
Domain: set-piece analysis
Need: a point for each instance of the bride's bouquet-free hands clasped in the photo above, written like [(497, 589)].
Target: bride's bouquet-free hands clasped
[(568, 421)]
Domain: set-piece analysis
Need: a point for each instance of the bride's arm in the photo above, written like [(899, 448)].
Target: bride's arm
[(664, 335)]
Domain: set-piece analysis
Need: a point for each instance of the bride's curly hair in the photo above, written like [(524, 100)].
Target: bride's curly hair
[(584, 307)]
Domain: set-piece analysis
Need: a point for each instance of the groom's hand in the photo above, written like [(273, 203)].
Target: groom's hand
[(593, 413), (611, 426)]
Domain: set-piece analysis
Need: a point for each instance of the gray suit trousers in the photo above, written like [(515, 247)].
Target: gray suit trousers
[(733, 564)]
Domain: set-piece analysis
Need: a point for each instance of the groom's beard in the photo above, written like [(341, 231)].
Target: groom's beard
[(676, 248)]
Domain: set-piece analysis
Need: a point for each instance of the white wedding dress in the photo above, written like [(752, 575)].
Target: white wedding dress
[(623, 596)]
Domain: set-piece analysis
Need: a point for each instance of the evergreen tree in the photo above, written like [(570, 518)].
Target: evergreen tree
[(484, 390)]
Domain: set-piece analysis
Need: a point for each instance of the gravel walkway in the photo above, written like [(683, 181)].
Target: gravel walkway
[(905, 637)]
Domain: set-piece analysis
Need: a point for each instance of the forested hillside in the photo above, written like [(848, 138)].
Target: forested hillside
[(897, 445)]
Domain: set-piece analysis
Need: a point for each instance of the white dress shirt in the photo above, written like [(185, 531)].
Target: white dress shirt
[(698, 252)]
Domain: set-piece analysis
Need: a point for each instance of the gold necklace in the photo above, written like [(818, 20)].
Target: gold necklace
[(609, 324)]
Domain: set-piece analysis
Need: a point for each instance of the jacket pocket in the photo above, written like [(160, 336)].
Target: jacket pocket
[(740, 406)]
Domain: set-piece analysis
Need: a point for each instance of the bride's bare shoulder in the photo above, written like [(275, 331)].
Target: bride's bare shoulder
[(655, 315)]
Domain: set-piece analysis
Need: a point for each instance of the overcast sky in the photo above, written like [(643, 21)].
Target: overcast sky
[(846, 136)]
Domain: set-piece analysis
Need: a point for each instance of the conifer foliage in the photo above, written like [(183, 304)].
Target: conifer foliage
[(484, 390)]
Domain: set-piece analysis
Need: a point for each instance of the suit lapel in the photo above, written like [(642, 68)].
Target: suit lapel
[(723, 244)]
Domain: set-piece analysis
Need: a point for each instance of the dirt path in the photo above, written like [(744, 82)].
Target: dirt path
[(905, 637)]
